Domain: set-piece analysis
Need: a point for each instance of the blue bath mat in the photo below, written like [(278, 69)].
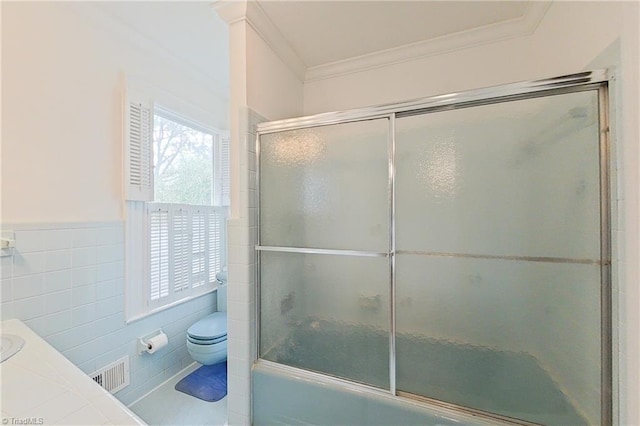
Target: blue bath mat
[(208, 382)]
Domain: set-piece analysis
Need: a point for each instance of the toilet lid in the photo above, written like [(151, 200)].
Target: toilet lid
[(209, 327)]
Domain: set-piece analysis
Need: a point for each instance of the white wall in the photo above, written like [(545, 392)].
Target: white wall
[(570, 38), (63, 65), (262, 87), (62, 77), (273, 89)]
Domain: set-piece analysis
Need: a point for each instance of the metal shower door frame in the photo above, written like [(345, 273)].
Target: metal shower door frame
[(596, 80)]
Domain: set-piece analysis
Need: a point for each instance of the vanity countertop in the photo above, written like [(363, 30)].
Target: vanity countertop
[(38, 385)]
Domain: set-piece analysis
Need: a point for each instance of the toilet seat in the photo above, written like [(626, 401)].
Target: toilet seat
[(205, 342), (209, 330)]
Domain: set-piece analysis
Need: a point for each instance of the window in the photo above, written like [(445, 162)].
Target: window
[(177, 191)]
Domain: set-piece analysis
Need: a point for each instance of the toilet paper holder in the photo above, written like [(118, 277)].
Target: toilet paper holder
[(143, 342)]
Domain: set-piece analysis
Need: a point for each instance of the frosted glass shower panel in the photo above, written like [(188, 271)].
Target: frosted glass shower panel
[(518, 178), (326, 313), (326, 187), (514, 338)]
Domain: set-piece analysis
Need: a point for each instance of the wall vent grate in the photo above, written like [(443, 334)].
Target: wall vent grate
[(114, 376)]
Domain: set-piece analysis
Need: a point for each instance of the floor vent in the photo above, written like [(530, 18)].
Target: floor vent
[(114, 376)]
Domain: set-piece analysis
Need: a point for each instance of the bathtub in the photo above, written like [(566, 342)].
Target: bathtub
[(289, 396), (293, 384)]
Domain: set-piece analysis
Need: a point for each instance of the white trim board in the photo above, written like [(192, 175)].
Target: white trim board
[(251, 12), (523, 26)]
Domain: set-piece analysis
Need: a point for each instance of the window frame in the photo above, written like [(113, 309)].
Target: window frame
[(139, 203), (220, 151)]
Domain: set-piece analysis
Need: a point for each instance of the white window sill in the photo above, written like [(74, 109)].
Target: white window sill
[(170, 305)]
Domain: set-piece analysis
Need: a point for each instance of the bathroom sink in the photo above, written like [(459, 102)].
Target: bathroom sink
[(10, 344)]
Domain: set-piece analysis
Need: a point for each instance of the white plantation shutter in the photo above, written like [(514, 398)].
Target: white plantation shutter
[(181, 254), (138, 148), (159, 252), (225, 175), (185, 250), (214, 233), (136, 259), (198, 244)]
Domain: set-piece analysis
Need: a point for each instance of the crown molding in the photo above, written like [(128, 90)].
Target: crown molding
[(250, 11), (523, 26), (261, 23), (231, 11)]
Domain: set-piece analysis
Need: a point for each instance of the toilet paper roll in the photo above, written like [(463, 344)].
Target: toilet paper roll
[(156, 343)]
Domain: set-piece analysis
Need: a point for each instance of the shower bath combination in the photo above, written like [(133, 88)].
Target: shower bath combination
[(445, 257)]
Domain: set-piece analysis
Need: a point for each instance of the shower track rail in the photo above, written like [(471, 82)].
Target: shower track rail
[(323, 251), (588, 80), (595, 80), (500, 257)]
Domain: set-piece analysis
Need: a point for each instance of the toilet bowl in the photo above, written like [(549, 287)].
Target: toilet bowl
[(207, 338)]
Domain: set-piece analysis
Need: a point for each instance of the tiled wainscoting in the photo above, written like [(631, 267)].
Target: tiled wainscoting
[(66, 282), (243, 236)]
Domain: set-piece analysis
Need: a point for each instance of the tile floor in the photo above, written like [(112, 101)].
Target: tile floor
[(167, 406)]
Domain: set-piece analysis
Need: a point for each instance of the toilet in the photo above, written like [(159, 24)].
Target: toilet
[(207, 338)]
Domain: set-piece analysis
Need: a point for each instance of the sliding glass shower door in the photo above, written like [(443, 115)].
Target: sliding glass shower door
[(498, 258), (454, 251), (324, 235)]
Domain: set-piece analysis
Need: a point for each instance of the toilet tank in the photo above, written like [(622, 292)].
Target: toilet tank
[(222, 297)]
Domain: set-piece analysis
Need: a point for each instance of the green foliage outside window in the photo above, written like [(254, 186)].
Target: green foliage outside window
[(183, 163)]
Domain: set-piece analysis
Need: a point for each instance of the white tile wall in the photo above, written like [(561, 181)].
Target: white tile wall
[(243, 233), (66, 282)]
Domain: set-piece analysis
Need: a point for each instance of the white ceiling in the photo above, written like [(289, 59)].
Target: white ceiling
[(322, 32), (319, 33)]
